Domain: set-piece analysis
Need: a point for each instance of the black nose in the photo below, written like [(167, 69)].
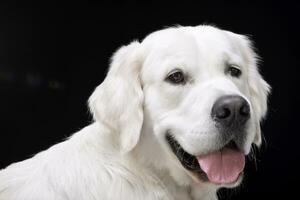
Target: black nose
[(231, 111)]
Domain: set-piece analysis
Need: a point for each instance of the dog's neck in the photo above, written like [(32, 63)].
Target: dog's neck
[(149, 153), (150, 162)]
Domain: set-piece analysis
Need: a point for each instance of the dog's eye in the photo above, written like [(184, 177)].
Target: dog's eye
[(176, 77), (234, 71)]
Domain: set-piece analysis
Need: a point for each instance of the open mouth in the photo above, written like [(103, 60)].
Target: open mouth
[(223, 166)]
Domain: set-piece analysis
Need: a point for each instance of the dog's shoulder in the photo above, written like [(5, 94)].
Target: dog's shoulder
[(85, 166), (55, 172)]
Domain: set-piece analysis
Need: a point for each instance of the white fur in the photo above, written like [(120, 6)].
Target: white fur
[(123, 154)]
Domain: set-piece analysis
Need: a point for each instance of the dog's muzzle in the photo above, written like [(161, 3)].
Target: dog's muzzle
[(225, 164), (231, 114)]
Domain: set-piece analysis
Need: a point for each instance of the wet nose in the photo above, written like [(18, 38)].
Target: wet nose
[(231, 111)]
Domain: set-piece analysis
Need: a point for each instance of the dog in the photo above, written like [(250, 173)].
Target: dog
[(174, 118)]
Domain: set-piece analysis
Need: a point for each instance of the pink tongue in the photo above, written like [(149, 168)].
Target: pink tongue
[(222, 166)]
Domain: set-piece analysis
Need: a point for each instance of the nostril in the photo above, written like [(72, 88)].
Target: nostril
[(245, 110), (223, 113)]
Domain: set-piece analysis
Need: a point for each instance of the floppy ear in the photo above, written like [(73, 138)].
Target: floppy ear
[(259, 88), (117, 102)]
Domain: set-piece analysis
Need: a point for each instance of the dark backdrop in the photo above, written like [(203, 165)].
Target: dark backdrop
[(52, 55)]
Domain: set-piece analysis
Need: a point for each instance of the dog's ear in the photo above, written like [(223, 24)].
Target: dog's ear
[(259, 91), (258, 87), (118, 101)]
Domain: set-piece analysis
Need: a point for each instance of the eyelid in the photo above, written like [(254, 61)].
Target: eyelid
[(175, 70), (234, 65)]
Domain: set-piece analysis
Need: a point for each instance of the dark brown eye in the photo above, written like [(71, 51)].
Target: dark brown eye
[(234, 71), (176, 77)]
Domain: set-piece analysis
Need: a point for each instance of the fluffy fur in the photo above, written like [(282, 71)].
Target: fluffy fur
[(124, 154)]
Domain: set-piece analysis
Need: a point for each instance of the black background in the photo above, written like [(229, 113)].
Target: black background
[(52, 56)]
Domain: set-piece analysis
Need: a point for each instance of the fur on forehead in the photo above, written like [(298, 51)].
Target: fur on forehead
[(191, 46)]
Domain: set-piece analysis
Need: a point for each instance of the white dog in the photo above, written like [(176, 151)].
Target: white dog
[(174, 119)]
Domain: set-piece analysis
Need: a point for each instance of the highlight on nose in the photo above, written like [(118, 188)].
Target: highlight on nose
[(231, 110)]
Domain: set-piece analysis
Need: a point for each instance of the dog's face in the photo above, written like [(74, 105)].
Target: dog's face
[(197, 89), (199, 93)]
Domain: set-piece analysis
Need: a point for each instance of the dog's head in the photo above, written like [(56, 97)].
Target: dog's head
[(195, 91)]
